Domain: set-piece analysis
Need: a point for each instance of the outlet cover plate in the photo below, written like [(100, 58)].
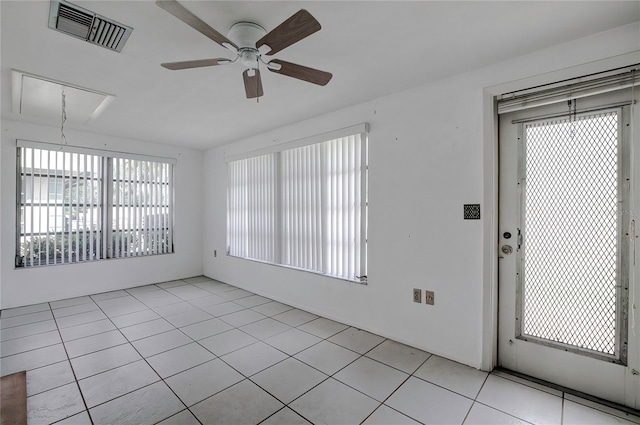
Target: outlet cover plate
[(430, 297), (417, 295)]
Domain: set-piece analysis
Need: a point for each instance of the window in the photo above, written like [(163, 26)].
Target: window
[(79, 205), (141, 207), (303, 205)]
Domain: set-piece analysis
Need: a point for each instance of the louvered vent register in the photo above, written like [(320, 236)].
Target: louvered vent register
[(78, 22)]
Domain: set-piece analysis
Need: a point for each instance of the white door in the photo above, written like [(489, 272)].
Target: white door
[(564, 262)]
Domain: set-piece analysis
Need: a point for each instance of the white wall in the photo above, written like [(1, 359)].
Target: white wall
[(426, 150), (29, 286)]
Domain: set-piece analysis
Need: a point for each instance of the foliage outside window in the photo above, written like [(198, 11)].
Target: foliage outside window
[(78, 205)]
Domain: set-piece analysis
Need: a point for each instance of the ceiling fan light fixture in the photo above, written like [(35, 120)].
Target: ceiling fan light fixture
[(249, 58)]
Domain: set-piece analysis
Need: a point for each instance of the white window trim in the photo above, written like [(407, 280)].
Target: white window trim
[(91, 151), (362, 129)]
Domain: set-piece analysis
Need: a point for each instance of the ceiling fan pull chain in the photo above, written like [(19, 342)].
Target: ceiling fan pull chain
[(63, 138)]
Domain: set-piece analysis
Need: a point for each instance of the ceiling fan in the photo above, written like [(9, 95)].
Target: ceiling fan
[(250, 42)]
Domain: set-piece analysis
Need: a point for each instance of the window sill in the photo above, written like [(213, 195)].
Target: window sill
[(100, 260), (284, 266)]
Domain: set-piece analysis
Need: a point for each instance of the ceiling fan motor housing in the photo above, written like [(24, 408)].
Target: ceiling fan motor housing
[(245, 34)]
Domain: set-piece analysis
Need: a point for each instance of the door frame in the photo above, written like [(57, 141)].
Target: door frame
[(489, 355)]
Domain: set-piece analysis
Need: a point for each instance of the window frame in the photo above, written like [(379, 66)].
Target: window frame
[(103, 200), (357, 130)]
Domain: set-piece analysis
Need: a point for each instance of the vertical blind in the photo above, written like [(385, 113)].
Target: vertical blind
[(303, 207), (252, 208), (68, 213), (59, 207), (141, 208)]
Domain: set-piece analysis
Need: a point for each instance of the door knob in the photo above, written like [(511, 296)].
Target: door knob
[(506, 249)]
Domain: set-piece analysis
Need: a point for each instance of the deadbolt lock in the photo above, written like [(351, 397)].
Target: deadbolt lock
[(506, 249)]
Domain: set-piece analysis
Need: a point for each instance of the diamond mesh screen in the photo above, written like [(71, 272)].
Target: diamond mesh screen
[(571, 231)]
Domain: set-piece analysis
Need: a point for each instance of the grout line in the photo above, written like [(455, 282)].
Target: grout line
[(372, 412), (444, 388), (84, 401), (106, 370), (2, 312), (83, 323), (190, 367), (88, 301), (127, 393), (502, 411), (31, 349), (72, 416), (90, 335), (332, 376), (468, 411), (145, 360), (57, 386), (177, 413), (96, 351), (4, 328), (24, 336), (397, 388), (562, 411), (109, 298), (486, 378), (387, 398), (280, 410)]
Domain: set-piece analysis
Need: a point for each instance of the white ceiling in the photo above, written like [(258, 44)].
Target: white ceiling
[(372, 49)]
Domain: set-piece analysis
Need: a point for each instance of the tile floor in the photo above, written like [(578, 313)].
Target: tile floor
[(200, 351)]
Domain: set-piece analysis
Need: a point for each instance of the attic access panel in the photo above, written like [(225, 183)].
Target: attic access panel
[(87, 25), (41, 98)]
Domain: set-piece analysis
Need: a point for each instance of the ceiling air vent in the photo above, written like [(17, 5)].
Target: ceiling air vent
[(82, 23)]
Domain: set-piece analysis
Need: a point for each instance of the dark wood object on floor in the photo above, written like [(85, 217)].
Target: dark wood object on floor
[(13, 399)]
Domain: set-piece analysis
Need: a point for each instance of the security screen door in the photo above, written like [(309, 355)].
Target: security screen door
[(564, 250)]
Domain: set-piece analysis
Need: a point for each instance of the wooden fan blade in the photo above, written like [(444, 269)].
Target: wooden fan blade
[(174, 66), (252, 85), (300, 72), (294, 29), (177, 10)]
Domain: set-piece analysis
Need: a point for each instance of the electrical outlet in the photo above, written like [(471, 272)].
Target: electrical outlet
[(417, 295), (429, 297)]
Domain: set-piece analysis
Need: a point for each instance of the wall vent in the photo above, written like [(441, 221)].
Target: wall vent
[(82, 23)]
